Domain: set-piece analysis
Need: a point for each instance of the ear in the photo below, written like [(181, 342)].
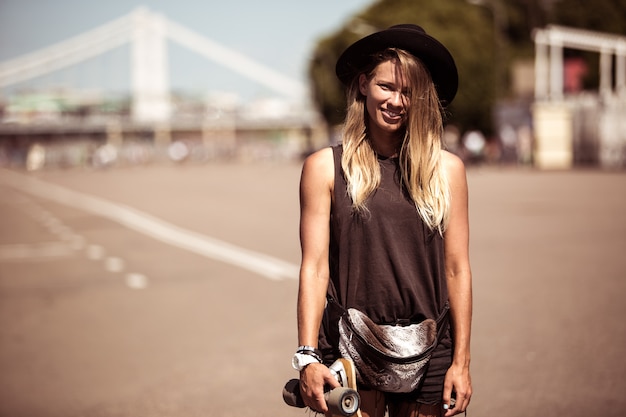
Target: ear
[(363, 84)]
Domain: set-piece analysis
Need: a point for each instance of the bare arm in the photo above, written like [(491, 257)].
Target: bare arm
[(459, 279), (315, 201), (316, 187)]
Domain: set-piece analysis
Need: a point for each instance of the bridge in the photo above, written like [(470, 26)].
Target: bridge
[(151, 120), (147, 33), (567, 128)]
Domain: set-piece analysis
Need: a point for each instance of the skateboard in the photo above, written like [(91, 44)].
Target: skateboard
[(342, 402)]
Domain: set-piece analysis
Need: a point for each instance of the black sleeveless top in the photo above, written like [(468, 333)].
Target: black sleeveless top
[(386, 263)]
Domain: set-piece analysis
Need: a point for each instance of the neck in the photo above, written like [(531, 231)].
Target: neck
[(385, 143), (387, 146)]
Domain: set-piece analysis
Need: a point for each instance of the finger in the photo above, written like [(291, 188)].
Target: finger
[(320, 404), (449, 411), (315, 404), (462, 402), (447, 395), (310, 397), (466, 401), (331, 381), (453, 411)]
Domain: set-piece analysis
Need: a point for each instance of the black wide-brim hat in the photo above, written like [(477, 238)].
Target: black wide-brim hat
[(414, 40)]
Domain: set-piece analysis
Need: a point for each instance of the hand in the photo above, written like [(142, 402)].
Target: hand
[(457, 380), (313, 379)]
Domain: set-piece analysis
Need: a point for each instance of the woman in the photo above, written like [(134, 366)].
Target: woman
[(384, 222)]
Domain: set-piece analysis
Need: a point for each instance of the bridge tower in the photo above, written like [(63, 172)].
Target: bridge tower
[(148, 33), (149, 68)]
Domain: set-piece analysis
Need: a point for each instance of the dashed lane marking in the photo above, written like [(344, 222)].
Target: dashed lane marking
[(136, 281), (33, 251), (114, 264), (267, 266), (70, 243), (94, 252)]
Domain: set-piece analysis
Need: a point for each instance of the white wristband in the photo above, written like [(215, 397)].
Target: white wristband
[(301, 360)]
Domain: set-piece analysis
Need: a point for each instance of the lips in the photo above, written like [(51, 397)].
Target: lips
[(392, 114)]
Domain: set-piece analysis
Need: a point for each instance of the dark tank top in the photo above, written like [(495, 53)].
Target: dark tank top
[(387, 263)]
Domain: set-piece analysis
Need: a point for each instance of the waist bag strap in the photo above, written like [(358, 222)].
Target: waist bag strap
[(441, 320)]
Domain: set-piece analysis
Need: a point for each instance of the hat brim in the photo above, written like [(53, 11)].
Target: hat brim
[(413, 40)]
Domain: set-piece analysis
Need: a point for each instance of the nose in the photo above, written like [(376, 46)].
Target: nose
[(395, 99)]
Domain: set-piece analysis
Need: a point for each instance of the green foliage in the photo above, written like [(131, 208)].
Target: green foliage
[(327, 90), (598, 15), (470, 32), (463, 28)]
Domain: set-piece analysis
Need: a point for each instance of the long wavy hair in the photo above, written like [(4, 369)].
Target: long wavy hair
[(420, 154)]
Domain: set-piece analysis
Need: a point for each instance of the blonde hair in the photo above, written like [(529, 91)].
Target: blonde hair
[(420, 155)]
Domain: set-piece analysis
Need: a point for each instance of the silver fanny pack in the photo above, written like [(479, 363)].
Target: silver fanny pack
[(389, 358)]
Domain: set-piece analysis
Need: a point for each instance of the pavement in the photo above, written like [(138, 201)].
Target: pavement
[(166, 290)]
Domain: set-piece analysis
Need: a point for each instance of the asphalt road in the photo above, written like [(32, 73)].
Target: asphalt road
[(170, 291)]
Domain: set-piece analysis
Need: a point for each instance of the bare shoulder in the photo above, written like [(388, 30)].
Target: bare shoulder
[(320, 165), (454, 166), (321, 157)]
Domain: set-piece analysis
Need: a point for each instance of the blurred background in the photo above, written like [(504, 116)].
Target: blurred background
[(100, 84), (150, 154)]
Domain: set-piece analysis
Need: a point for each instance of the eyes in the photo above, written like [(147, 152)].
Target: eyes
[(390, 87)]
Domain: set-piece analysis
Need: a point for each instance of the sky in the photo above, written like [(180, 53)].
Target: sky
[(280, 34)]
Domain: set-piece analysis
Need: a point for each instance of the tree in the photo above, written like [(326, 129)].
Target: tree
[(470, 33), (464, 29), (599, 15)]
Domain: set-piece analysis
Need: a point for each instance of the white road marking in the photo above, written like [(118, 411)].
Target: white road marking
[(71, 242), (136, 281), (114, 264), (35, 251), (42, 250), (156, 228), (94, 252)]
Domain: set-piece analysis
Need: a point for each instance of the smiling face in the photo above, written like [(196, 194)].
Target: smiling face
[(386, 100)]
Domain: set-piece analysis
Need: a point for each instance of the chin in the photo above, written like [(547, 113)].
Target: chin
[(392, 128)]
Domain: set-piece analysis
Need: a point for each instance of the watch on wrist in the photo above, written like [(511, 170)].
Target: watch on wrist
[(301, 360), (310, 350)]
